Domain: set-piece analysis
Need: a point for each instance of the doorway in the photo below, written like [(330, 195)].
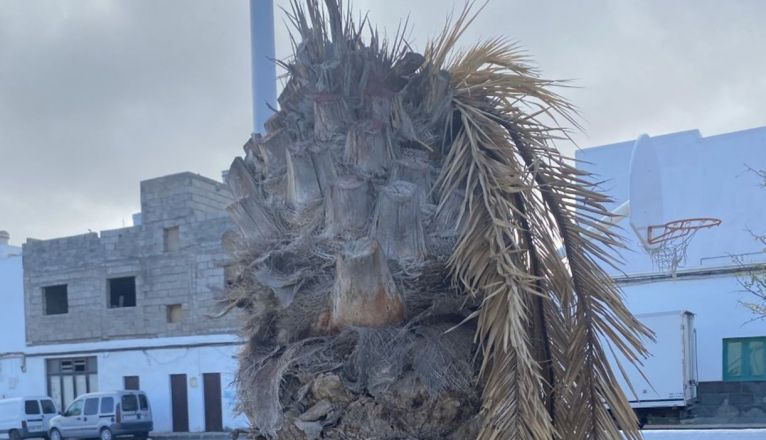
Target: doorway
[(69, 378), (211, 384), (179, 402)]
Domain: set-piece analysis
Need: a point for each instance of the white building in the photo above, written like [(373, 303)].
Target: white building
[(12, 318), (129, 308), (697, 176)]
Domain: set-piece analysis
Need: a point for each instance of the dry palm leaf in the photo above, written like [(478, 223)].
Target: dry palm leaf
[(543, 318)]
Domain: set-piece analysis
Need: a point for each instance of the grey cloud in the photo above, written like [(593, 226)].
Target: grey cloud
[(97, 95)]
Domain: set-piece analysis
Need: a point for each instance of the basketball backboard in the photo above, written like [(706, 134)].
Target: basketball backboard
[(664, 239)]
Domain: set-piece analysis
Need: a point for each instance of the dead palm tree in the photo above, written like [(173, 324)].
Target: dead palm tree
[(415, 258)]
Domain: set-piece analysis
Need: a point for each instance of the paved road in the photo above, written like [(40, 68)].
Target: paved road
[(707, 434), (654, 434)]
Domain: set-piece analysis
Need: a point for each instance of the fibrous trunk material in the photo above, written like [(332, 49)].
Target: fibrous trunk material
[(343, 262)]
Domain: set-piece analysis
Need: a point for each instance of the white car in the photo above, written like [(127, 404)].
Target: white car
[(26, 417), (104, 416)]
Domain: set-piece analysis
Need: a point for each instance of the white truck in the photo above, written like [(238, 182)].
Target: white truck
[(669, 380)]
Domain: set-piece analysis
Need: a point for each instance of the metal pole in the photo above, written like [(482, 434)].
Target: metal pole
[(264, 72)]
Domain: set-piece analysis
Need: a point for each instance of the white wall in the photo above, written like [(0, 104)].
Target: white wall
[(12, 379), (12, 304), (718, 314), (154, 368), (23, 377), (12, 334)]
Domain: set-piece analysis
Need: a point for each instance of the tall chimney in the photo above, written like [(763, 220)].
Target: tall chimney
[(264, 72)]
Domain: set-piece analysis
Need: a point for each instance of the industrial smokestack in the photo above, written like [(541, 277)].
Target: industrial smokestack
[(264, 72)]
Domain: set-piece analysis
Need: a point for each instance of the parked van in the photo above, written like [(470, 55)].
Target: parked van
[(26, 417), (104, 415)]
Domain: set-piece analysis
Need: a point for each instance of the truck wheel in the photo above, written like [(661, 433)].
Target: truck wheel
[(55, 435), (105, 434), (14, 435)]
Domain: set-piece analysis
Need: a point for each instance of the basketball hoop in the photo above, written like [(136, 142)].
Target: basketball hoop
[(669, 241)]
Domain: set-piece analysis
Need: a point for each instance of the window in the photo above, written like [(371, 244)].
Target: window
[(48, 407), (143, 402), (130, 382), (744, 359), (75, 409), (73, 365), (107, 405), (174, 313), (129, 402), (56, 302), (171, 238), (31, 407), (122, 292), (91, 406)]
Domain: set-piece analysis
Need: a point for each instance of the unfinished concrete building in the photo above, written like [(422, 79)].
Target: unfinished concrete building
[(133, 308)]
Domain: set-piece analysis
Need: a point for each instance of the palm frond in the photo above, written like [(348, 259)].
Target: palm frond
[(542, 317)]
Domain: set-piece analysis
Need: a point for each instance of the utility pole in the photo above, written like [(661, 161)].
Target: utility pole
[(264, 72)]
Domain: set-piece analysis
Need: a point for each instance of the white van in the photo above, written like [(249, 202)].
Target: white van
[(104, 416), (26, 417)]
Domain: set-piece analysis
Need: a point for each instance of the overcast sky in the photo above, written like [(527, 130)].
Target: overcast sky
[(97, 95)]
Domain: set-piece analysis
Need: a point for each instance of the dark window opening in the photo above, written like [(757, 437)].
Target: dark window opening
[(122, 292), (130, 382), (143, 402), (78, 365), (171, 238), (56, 302), (31, 407), (48, 407), (129, 402)]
